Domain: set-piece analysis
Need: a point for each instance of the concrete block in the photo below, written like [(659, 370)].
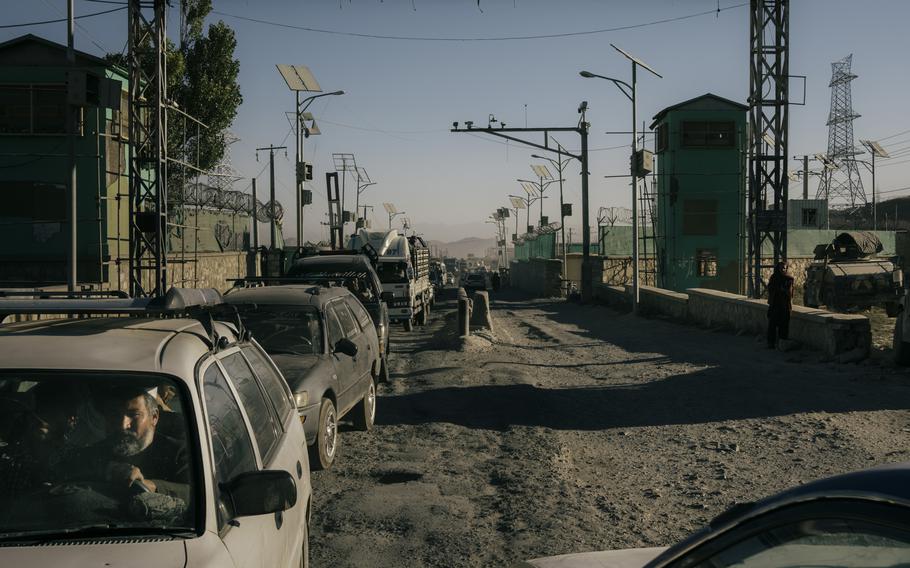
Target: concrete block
[(480, 314)]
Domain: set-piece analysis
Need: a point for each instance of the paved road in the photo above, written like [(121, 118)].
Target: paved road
[(575, 428)]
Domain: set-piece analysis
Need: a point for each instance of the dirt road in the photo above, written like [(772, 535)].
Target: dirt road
[(579, 429)]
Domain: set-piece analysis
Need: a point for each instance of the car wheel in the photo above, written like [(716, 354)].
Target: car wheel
[(901, 349), (364, 414), (323, 451), (305, 552), (383, 370), (409, 325)]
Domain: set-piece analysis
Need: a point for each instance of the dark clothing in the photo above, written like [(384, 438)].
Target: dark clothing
[(164, 461), (778, 327), (780, 304)]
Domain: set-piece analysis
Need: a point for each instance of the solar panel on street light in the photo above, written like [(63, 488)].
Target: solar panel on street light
[(636, 60), (344, 162), (875, 148), (541, 171), (363, 176), (299, 78), (307, 115), (313, 129), (389, 208), (529, 188), (517, 203)]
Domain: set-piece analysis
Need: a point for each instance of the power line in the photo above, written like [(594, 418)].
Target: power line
[(59, 20), (466, 39)]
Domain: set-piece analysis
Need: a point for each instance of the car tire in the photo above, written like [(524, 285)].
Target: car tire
[(364, 414), (383, 376), (305, 549), (901, 349), (409, 325), (325, 448)]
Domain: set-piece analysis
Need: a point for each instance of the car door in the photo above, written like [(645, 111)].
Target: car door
[(344, 365), (282, 534), (233, 452), (366, 350), (368, 330), (290, 454)]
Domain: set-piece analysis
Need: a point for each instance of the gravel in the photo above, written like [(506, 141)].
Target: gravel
[(575, 428)]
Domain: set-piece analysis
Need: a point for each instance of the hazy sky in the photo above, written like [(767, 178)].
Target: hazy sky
[(403, 95)]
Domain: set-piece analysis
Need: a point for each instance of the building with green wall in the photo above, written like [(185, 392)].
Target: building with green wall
[(34, 228), (701, 146)]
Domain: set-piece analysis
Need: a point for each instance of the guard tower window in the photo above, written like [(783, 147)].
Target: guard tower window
[(699, 217), (662, 138), (703, 134), (706, 263), (810, 217), (32, 109)]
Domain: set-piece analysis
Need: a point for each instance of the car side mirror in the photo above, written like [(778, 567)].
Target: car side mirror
[(346, 347), (261, 492), (387, 297)]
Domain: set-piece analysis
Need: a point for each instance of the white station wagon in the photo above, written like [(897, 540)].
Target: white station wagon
[(146, 441)]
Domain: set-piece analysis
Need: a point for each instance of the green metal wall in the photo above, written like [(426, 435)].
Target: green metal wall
[(689, 178), (541, 246)]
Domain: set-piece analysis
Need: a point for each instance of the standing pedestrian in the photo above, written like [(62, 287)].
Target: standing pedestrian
[(780, 304)]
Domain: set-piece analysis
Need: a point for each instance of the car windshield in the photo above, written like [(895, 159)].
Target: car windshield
[(392, 272), (101, 454), (284, 329)]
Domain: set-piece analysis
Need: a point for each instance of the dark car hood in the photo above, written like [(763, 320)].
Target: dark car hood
[(296, 368)]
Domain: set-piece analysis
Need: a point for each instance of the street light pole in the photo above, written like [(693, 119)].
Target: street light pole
[(300, 107), (630, 92), (559, 165)]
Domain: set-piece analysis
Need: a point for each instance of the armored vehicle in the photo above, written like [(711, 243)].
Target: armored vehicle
[(848, 273)]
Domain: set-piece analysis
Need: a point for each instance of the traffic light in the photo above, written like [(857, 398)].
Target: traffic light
[(304, 171)]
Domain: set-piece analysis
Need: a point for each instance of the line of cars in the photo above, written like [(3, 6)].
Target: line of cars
[(181, 430)]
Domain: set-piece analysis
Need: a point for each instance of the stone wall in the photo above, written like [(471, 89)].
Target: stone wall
[(208, 270), (845, 337), (539, 277)]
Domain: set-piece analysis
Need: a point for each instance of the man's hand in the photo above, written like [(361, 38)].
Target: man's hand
[(136, 475)]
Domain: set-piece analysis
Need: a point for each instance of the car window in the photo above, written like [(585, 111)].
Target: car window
[(232, 448), (65, 437), (359, 312), (333, 327), (274, 385), (347, 320), (284, 329), (258, 410), (852, 543)]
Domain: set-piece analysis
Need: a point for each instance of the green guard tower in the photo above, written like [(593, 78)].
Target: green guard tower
[(701, 149)]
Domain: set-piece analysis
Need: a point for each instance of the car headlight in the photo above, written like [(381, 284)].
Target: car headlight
[(301, 399)]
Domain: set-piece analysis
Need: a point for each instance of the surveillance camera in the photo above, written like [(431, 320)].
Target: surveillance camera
[(455, 125), (469, 124), (582, 107), (502, 124)]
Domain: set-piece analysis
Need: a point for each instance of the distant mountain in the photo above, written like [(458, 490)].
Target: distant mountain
[(463, 247)]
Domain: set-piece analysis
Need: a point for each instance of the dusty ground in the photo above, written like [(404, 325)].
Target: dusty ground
[(580, 429)]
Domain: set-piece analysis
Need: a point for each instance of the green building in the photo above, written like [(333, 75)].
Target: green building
[(701, 147), (34, 228)]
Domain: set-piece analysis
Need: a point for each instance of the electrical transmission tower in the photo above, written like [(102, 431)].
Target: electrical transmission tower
[(842, 186), (147, 41), (769, 99)]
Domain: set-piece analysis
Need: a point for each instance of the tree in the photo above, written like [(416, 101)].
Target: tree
[(202, 81)]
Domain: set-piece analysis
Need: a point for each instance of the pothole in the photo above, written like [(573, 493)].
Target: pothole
[(393, 477)]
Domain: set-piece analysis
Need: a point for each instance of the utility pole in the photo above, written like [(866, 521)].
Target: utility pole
[(71, 114), (255, 218), (273, 227), (581, 128)]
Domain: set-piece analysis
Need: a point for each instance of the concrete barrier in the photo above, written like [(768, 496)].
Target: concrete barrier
[(844, 336), (657, 301), (480, 312), (541, 277)]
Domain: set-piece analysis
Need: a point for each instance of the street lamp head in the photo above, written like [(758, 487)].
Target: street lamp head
[(587, 74), (336, 93)]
